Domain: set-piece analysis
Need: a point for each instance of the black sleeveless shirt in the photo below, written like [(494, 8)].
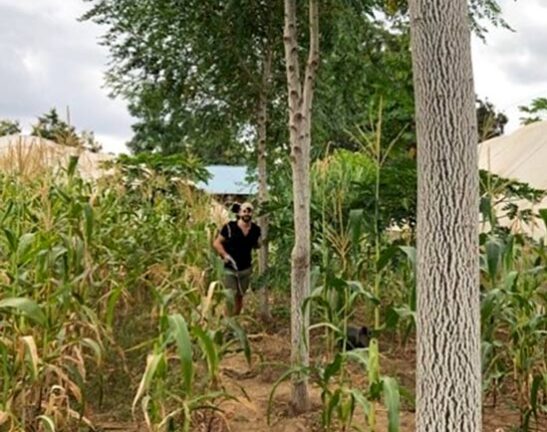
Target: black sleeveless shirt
[(238, 245)]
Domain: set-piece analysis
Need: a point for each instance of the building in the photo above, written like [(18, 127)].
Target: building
[(31, 156), (229, 183), (522, 156)]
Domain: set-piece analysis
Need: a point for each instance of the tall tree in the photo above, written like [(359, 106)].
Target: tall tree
[(262, 122), (448, 324), (200, 75), (191, 71), (300, 96), (9, 127)]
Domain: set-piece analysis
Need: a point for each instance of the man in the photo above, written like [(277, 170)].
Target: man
[(234, 244)]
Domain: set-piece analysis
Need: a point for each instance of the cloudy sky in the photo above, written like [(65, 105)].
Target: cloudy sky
[(49, 59), (511, 67)]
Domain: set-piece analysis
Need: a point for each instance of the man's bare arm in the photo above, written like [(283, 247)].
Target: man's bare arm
[(218, 244)]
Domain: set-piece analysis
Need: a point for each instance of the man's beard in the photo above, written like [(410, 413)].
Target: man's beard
[(246, 219)]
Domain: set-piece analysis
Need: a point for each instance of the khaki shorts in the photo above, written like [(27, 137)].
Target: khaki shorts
[(237, 281)]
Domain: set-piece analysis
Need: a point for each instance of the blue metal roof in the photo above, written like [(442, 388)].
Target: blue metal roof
[(228, 180)]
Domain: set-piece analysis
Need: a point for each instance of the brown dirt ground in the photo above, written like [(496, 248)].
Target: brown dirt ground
[(250, 415)]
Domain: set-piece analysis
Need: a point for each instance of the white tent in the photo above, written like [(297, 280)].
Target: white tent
[(31, 155), (521, 156)]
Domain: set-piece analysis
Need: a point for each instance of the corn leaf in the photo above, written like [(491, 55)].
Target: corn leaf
[(242, 337), (32, 354), (152, 363), (88, 222), (26, 306), (392, 402), (179, 330), (209, 348), (48, 422)]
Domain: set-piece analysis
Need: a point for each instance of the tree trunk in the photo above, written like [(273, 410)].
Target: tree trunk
[(448, 347), (300, 102), (262, 120)]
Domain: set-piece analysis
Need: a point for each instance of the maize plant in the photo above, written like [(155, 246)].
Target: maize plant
[(171, 390), (50, 330), (514, 323), (73, 255)]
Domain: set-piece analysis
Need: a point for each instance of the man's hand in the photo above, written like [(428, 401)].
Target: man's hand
[(229, 260)]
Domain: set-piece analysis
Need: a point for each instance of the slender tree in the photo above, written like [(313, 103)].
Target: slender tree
[(262, 122), (448, 347), (300, 94)]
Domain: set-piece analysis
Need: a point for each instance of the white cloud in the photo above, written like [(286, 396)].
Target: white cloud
[(50, 59), (59, 11), (511, 68)]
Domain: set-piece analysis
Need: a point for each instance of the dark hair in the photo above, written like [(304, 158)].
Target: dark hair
[(235, 207)]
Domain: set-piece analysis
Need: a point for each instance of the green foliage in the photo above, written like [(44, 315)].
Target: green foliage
[(192, 73), (346, 265), (514, 324), (535, 112), (483, 12), (340, 398), (9, 127), (48, 290), (195, 78), (192, 391), (27, 307), (513, 320), (490, 123), (374, 59), (172, 167), (89, 142), (72, 254), (342, 211), (51, 126), (500, 201)]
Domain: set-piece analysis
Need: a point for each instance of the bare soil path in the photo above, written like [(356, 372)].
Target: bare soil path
[(252, 386)]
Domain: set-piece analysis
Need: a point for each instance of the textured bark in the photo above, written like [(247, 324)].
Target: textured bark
[(262, 121), (448, 348), (300, 103)]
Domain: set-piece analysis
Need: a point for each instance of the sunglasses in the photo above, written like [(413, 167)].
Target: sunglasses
[(247, 210)]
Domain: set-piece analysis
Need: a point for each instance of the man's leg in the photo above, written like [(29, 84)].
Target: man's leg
[(243, 279), (237, 284), (238, 303), (230, 284)]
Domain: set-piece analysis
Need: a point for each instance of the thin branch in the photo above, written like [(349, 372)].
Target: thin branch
[(313, 56), (291, 55), (267, 69)]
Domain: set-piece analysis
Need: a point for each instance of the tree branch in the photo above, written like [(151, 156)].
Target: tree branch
[(267, 68), (313, 56), (291, 56)]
